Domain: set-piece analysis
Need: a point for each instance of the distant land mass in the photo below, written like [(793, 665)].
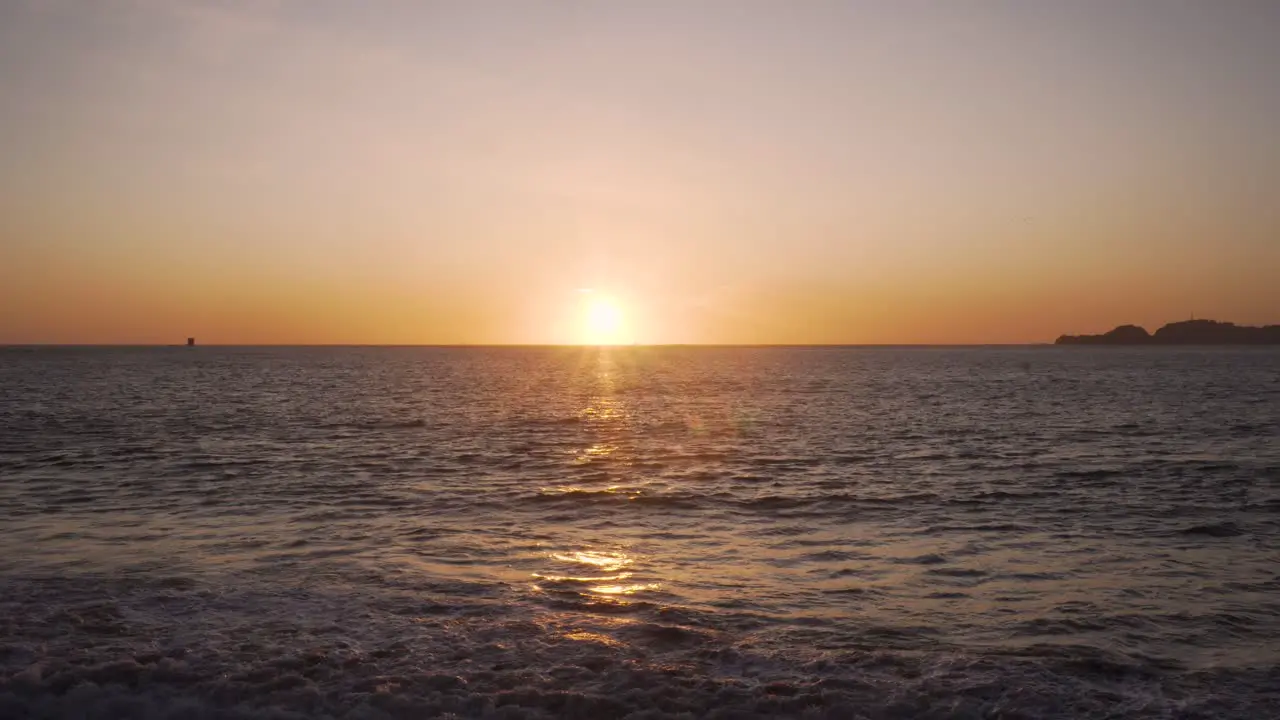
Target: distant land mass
[(1187, 332)]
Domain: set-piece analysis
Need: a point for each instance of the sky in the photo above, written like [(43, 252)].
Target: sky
[(745, 171)]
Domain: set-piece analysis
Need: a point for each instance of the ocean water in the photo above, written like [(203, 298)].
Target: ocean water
[(640, 533)]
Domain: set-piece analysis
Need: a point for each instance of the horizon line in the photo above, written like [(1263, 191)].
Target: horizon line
[(520, 345)]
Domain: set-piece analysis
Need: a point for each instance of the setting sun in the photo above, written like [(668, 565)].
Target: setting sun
[(603, 322)]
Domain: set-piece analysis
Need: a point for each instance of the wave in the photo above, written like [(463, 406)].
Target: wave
[(776, 502), (981, 527), (788, 502), (617, 497), (398, 647), (550, 422), (1014, 495), (1091, 474), (926, 559), (782, 505), (1217, 530), (957, 572), (402, 424)]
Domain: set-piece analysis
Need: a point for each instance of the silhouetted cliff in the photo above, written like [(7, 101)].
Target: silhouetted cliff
[(1187, 332), (1123, 335)]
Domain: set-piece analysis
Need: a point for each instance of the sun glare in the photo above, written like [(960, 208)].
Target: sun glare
[(603, 322)]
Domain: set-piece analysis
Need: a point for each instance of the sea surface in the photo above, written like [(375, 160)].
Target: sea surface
[(637, 532)]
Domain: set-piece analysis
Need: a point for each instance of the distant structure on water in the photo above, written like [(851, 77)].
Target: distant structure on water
[(191, 342)]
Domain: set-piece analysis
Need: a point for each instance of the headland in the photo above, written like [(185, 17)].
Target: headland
[(1187, 332)]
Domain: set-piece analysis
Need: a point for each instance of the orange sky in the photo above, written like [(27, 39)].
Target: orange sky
[(749, 172)]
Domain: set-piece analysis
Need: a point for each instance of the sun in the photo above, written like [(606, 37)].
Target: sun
[(603, 322)]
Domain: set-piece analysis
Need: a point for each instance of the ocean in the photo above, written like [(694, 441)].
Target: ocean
[(665, 532)]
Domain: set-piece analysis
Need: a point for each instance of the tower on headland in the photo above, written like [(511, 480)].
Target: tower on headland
[(191, 342)]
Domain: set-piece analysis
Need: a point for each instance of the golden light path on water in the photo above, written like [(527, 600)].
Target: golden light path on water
[(608, 414)]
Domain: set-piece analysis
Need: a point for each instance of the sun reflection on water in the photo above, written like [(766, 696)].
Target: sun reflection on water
[(570, 578), (602, 409), (605, 576), (612, 582), (604, 405), (606, 561), (584, 636), (624, 589), (612, 489), (598, 451)]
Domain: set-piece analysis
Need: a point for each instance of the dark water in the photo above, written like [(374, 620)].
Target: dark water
[(878, 533)]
